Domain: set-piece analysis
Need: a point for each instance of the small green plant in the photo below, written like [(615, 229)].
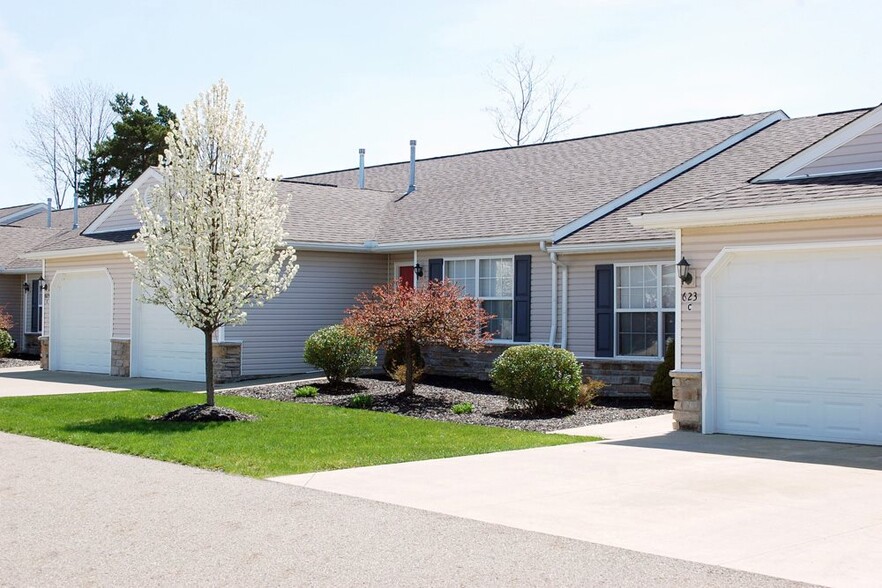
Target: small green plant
[(463, 408), (662, 387), (306, 392), (538, 378), (339, 353), (6, 343), (588, 392), (363, 401)]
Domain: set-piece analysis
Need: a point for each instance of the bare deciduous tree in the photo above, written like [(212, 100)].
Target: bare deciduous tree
[(62, 131), (532, 103)]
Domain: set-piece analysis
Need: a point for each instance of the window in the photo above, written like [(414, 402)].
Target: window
[(36, 306), (645, 303), (492, 280)]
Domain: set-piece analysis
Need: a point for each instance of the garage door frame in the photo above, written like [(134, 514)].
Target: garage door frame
[(53, 309), (709, 276)]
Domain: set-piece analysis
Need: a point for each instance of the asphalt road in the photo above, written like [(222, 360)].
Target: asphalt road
[(74, 516)]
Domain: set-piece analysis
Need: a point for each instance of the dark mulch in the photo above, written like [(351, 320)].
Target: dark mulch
[(19, 361), (435, 397), (203, 413)]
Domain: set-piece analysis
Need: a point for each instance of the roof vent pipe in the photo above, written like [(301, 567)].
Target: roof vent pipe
[(48, 213), (412, 185), (361, 169), (76, 219)]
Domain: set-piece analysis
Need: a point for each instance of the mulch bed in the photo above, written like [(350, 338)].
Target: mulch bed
[(435, 397)]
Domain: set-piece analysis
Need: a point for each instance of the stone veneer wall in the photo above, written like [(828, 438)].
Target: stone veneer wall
[(624, 378), (687, 400), (120, 357), (44, 353), (32, 343), (227, 357)]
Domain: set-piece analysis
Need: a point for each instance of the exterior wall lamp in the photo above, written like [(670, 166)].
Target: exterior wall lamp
[(44, 286), (683, 271), (418, 270), (26, 287)]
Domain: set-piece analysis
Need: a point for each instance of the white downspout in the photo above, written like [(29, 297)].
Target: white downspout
[(565, 305), (553, 257), (415, 276)]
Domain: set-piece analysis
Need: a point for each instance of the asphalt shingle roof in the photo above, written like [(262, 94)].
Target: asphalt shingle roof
[(13, 210), (729, 171), (532, 189)]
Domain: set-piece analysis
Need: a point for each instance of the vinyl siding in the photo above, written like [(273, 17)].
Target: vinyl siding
[(860, 154), (325, 285), (701, 246), (540, 278), (123, 218), (12, 301), (121, 273), (580, 318)]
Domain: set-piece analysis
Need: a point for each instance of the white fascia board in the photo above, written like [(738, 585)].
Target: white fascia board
[(761, 214), (22, 214), (86, 251), (408, 246), (669, 175), (151, 173), (20, 271), (787, 168), (654, 245)]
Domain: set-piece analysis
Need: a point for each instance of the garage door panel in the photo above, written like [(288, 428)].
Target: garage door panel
[(797, 342), (81, 315), (162, 347)]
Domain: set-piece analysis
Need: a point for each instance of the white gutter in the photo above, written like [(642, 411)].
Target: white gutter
[(451, 243), (826, 209), (669, 175), (341, 247), (85, 251), (652, 245)]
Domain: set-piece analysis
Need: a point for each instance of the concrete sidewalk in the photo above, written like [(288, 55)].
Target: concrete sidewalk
[(32, 381), (72, 516), (805, 511)]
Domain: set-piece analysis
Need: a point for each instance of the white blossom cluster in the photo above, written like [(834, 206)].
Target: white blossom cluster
[(213, 229)]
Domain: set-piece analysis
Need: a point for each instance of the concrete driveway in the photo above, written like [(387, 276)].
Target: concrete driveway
[(31, 381), (799, 510)]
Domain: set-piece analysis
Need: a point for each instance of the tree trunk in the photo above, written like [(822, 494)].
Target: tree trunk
[(408, 365), (209, 368)]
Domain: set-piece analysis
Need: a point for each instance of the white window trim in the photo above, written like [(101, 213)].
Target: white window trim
[(477, 260), (660, 311)]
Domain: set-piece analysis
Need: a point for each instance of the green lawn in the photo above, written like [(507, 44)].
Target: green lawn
[(288, 438)]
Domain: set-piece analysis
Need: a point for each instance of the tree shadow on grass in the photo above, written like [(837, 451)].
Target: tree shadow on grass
[(142, 425)]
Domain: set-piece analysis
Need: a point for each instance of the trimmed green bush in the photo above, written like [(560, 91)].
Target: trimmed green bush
[(306, 392), (6, 343), (338, 353), (539, 378), (662, 387), (463, 408), (364, 401)]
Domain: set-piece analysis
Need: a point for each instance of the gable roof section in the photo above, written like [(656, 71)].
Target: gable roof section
[(122, 206), (731, 170), (63, 219), (853, 148), (17, 241), (11, 214), (532, 190)]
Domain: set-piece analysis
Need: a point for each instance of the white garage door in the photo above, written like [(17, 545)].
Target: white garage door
[(164, 348), (797, 344), (80, 331)]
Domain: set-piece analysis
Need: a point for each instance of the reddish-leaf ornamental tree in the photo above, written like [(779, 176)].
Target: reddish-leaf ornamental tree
[(395, 314)]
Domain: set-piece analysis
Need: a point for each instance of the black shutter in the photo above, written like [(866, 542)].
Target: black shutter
[(436, 269), (522, 278), (604, 311), (35, 306)]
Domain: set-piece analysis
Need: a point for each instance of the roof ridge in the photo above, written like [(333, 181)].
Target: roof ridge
[(535, 145), (337, 186)]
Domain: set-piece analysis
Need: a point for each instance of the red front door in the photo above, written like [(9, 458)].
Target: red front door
[(405, 274)]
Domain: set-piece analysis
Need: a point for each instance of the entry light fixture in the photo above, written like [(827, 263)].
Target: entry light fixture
[(683, 271), (44, 286), (418, 270), (26, 287)]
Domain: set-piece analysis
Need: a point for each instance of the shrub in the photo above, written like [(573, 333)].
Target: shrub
[(5, 320), (306, 392), (539, 378), (364, 401), (6, 343), (395, 359), (662, 387), (463, 408), (588, 392), (339, 353)]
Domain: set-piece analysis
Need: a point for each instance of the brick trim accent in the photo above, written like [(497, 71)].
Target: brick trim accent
[(227, 358), (44, 353), (120, 357)]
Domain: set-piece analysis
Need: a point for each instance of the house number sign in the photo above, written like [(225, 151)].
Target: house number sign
[(688, 298)]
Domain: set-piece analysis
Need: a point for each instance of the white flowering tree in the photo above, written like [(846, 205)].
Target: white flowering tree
[(212, 231)]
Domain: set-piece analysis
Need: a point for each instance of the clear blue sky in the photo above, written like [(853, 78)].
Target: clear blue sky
[(327, 78)]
